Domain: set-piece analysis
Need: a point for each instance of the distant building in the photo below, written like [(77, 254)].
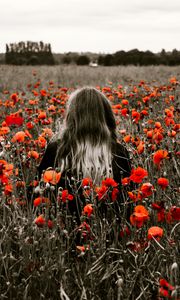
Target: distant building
[(93, 64), (29, 53)]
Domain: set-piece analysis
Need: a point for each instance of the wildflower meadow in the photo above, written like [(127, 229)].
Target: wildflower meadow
[(113, 259)]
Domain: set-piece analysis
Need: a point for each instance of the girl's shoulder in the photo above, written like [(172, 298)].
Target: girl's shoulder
[(121, 162), (52, 146), (49, 157), (120, 150)]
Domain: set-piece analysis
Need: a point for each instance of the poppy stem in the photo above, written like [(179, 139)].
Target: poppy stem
[(158, 243)]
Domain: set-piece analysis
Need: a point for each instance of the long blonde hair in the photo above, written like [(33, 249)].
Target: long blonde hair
[(85, 146)]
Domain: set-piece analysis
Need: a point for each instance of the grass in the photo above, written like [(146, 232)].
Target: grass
[(17, 77), (113, 260)]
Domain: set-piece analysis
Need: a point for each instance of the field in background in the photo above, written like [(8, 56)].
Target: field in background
[(17, 77), (38, 258)]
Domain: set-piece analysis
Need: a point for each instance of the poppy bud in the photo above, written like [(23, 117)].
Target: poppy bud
[(119, 282), (37, 189), (174, 266), (48, 186)]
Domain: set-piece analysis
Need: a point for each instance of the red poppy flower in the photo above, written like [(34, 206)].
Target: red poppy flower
[(169, 113), (146, 189), (85, 226), (127, 138), (159, 156), (33, 154), (65, 196), (40, 221), (6, 168), (172, 133), (42, 115), (114, 194), (132, 196), (157, 137), (20, 183), (14, 97), (124, 112), (125, 181), (139, 216), (149, 134), (116, 111), (125, 102), (19, 137), (175, 213), (102, 192), (163, 182), (8, 189), (87, 182), (27, 133), (173, 80), (161, 215), (41, 141), (164, 293), (50, 224), (4, 175), (140, 147), (136, 116), (109, 182), (125, 231), (52, 108), (40, 200), (157, 205), (47, 132), (144, 112), (138, 174), (163, 283), (169, 121), (88, 210), (157, 124), (33, 102), (145, 99), (51, 176), (165, 289), (35, 93), (156, 232), (83, 248), (13, 120), (43, 93), (29, 125), (4, 130)]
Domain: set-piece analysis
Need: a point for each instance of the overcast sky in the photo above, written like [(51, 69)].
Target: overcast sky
[(102, 26)]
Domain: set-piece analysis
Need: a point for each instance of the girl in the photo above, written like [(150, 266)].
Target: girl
[(87, 147)]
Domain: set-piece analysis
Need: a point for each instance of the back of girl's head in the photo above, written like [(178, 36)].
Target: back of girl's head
[(90, 116), (86, 143)]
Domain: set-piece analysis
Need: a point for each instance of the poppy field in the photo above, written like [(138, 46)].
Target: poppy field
[(40, 254)]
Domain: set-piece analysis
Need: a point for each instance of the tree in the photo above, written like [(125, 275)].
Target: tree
[(31, 53), (163, 57), (83, 60), (108, 60), (66, 59)]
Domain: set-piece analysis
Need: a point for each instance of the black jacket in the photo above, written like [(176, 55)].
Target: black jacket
[(121, 162), (121, 167)]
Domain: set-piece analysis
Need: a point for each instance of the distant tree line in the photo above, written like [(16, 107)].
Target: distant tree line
[(75, 58), (141, 58), (32, 53), (29, 53), (132, 57)]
